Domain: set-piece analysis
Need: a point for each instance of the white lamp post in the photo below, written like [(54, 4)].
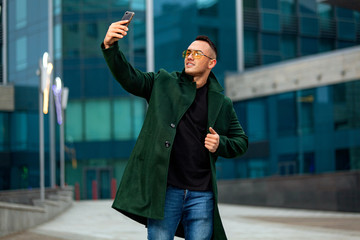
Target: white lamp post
[(44, 84), (60, 97)]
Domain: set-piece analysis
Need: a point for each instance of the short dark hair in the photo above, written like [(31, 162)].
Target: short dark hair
[(207, 39)]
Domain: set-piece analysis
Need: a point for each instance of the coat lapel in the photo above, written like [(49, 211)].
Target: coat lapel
[(215, 100)]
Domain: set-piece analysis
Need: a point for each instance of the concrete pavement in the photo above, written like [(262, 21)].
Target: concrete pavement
[(95, 220)]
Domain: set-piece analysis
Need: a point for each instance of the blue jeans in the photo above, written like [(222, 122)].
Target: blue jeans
[(193, 208)]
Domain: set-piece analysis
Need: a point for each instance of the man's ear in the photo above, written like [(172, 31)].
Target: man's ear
[(212, 63)]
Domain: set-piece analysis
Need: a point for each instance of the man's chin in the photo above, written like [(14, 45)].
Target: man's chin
[(189, 72)]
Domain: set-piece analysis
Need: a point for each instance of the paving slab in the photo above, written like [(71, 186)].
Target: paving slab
[(95, 220)]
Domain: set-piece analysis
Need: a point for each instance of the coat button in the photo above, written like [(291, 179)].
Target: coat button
[(167, 144), (172, 125)]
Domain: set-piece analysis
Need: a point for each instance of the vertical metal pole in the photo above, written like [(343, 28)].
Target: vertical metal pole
[(41, 141), (51, 98), (239, 35), (64, 99), (4, 45), (150, 59), (62, 148), (299, 132)]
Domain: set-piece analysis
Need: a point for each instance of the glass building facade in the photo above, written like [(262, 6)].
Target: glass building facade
[(303, 132), (102, 121)]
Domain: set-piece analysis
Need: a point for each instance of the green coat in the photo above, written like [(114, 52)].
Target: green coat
[(141, 193)]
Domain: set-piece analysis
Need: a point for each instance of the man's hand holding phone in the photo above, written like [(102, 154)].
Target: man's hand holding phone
[(118, 30)]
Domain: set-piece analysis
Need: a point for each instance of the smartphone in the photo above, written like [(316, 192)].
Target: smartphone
[(128, 16)]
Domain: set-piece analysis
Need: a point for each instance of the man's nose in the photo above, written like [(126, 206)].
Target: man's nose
[(190, 55)]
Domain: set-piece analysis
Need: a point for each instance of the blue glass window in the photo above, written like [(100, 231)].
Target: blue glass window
[(97, 120), (207, 7), (346, 105), (357, 16), (74, 121), (257, 168), (309, 26), (288, 7), (288, 164), (92, 30), (306, 111), (256, 120), (270, 22), (241, 111), (309, 163), (57, 41), (270, 58), (326, 45), (21, 53), (342, 159), (250, 4), (96, 85), (2, 131), (139, 113), (33, 131), (344, 13), (325, 11), (128, 117), (309, 46), (18, 131), (251, 48), (136, 5), (21, 13), (308, 7), (346, 30), (250, 42), (270, 4), (122, 119), (344, 44), (57, 7), (71, 40), (270, 42), (71, 6), (288, 47), (286, 114)]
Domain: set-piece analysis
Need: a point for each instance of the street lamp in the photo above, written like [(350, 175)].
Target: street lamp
[(45, 69), (61, 95)]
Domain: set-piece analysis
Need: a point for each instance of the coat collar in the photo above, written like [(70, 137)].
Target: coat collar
[(215, 96)]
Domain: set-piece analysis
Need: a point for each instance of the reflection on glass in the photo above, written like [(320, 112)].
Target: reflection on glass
[(346, 105), (307, 7), (286, 114), (97, 120), (207, 7), (257, 120), (74, 121), (288, 7), (122, 119)]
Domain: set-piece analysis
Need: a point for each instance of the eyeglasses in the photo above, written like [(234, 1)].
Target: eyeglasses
[(195, 53)]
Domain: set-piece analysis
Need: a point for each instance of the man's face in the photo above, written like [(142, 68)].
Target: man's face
[(198, 66)]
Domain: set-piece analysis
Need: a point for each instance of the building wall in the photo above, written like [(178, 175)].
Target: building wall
[(307, 131), (302, 129), (278, 30), (26, 41), (326, 192)]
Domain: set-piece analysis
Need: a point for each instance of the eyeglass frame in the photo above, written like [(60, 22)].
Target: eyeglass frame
[(185, 55)]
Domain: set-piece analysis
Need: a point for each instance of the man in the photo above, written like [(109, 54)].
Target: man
[(169, 183)]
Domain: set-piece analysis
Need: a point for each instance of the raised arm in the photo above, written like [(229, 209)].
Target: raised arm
[(131, 79)]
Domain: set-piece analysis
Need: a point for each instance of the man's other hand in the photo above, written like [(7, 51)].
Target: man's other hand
[(212, 140)]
